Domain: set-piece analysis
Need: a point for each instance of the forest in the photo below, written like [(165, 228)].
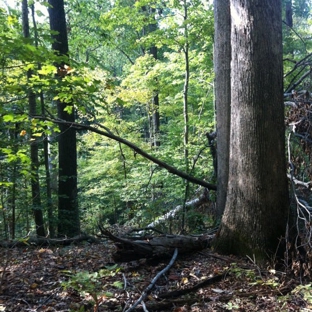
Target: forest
[(138, 131)]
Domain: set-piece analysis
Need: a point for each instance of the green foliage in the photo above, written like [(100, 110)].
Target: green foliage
[(112, 80), (297, 46), (115, 184), (305, 292), (86, 283)]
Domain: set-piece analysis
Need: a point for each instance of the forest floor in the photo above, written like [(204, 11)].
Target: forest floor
[(71, 278)]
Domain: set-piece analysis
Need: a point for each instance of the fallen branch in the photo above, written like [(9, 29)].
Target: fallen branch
[(159, 247), (291, 103), (167, 305), (135, 148), (152, 284), (42, 241), (204, 283), (192, 203), (298, 182)]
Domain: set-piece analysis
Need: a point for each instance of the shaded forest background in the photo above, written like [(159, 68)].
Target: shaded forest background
[(141, 71)]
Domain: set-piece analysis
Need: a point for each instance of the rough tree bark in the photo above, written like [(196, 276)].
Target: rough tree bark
[(68, 213), (222, 59), (257, 196)]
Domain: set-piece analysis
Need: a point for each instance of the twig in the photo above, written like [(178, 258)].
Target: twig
[(154, 280), (298, 35), (144, 307), (125, 281), (253, 261), (204, 283), (297, 182)]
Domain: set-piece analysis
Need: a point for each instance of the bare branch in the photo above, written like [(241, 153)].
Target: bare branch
[(135, 148), (154, 280)]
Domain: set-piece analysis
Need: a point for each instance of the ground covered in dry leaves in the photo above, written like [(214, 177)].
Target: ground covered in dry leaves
[(84, 277)]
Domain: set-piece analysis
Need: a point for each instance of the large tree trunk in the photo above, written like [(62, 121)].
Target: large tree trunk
[(257, 197), (68, 215), (222, 66)]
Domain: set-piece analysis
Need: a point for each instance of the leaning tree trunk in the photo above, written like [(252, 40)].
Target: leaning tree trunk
[(257, 197), (68, 213), (222, 60)]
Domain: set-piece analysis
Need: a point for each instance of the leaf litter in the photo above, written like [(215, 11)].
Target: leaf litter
[(83, 277)]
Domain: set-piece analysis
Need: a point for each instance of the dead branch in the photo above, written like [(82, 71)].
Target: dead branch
[(154, 280), (204, 283), (135, 148), (167, 305), (158, 247), (192, 203), (290, 103), (297, 83), (43, 241), (298, 182)]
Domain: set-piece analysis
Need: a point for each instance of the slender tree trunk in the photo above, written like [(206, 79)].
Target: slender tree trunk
[(13, 202), (68, 213), (256, 208), (47, 164), (155, 122), (3, 197), (289, 14), (153, 113), (50, 210), (185, 90), (35, 186), (51, 221), (222, 68), (185, 107), (4, 217)]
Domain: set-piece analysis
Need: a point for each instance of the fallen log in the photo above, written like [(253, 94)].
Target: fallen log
[(158, 247), (196, 202), (43, 241)]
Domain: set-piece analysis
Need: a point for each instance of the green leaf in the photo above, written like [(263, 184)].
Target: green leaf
[(111, 267), (5, 184), (8, 118), (118, 284), (47, 70)]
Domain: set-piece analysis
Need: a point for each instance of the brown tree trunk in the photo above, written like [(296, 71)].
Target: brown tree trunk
[(222, 67), (35, 186), (257, 197), (289, 14), (51, 222), (68, 213), (155, 121)]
